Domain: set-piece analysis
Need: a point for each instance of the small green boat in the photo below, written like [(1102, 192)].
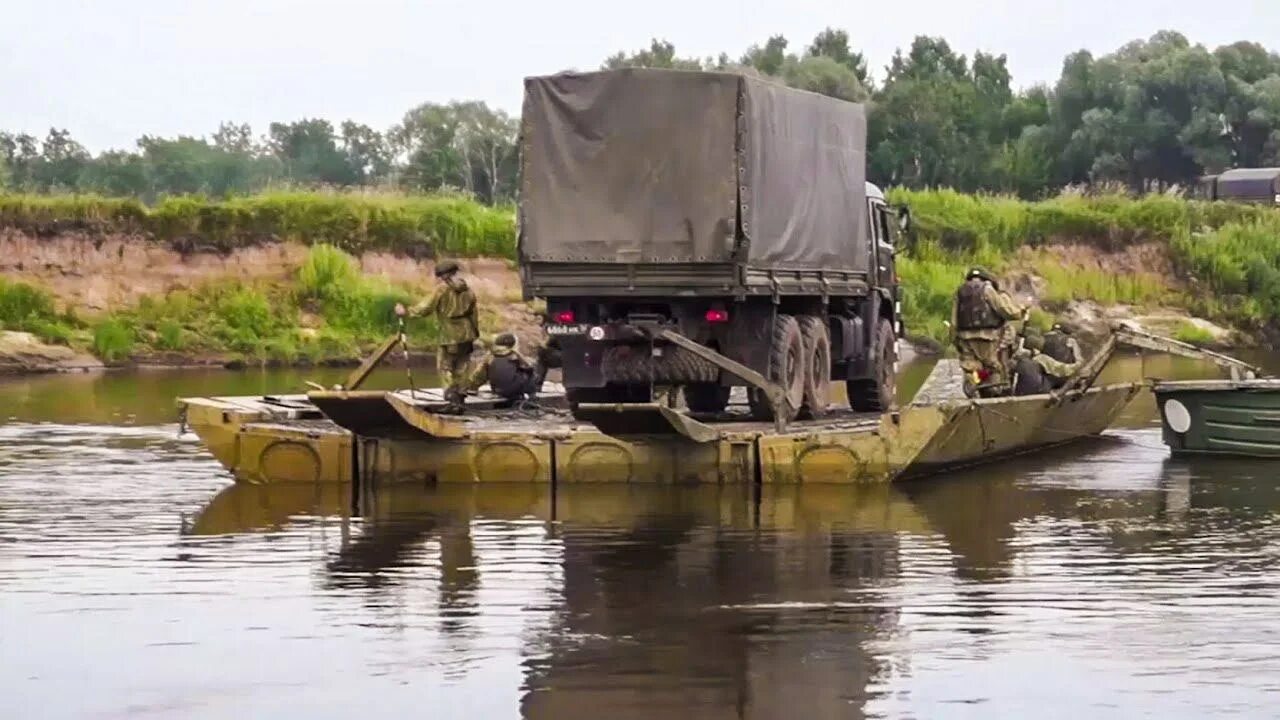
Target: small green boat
[(1224, 417)]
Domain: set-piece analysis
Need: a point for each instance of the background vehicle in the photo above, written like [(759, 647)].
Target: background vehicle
[(1257, 185), (729, 210)]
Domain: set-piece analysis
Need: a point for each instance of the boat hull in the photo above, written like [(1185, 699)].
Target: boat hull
[(1238, 418)]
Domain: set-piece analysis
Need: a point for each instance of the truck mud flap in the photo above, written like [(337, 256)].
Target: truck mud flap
[(623, 419)]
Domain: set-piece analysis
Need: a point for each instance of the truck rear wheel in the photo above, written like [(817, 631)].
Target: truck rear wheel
[(878, 393), (706, 398), (817, 358), (786, 367)]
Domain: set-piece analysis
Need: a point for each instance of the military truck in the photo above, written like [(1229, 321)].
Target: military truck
[(1252, 185), (707, 230)]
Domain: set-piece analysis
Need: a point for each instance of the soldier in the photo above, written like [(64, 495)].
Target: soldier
[(509, 374), (1038, 372), (1060, 345), (454, 306), (983, 322)]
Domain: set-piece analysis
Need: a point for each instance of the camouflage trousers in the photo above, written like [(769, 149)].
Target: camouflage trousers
[(979, 353), (453, 364)]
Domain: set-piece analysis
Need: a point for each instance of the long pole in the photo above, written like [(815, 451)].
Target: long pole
[(408, 366)]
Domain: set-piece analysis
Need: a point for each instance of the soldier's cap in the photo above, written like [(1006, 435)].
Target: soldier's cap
[(979, 272), (504, 340), (446, 267), (1063, 328)]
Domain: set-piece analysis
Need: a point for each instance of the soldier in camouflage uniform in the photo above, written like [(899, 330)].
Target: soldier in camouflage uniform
[(510, 375), (1036, 371), (454, 307), (985, 323)]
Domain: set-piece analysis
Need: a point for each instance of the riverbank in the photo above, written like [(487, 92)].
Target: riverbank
[(72, 302), (311, 278)]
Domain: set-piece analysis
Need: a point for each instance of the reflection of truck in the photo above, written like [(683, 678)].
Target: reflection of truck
[(1255, 185), (727, 210)]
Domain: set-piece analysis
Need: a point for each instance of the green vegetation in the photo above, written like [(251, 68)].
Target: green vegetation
[(1232, 251), (25, 308), (1226, 258), (1189, 332), (1153, 114), (411, 225), (331, 312)]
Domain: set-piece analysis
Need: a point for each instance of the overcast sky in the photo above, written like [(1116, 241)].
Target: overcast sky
[(109, 71)]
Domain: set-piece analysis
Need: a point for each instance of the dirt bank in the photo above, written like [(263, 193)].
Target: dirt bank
[(92, 276)]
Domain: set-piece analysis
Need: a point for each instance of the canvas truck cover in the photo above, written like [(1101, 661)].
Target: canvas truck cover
[(654, 166), (1260, 184)]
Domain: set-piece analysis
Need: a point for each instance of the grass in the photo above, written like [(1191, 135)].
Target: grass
[(113, 340), (417, 225), (26, 308), (1189, 332), (1227, 254)]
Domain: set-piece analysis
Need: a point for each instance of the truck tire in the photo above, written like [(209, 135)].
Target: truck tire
[(878, 393), (786, 367), (634, 364), (709, 398), (817, 358)]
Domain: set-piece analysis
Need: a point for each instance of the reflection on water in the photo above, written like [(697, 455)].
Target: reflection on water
[(1103, 580), (1104, 576)]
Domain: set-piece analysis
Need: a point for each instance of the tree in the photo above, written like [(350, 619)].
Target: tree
[(235, 138), (660, 54), (834, 44), (310, 153), (116, 173), (768, 58), (367, 153), (463, 145), (62, 159), (822, 74)]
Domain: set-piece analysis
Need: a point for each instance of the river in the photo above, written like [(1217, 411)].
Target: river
[(1103, 579)]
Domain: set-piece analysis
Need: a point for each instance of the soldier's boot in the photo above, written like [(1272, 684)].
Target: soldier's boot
[(454, 400)]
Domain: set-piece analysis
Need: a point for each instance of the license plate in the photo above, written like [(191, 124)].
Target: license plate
[(579, 329)]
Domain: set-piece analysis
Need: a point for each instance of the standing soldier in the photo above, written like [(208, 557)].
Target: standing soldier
[(454, 306), (984, 335)]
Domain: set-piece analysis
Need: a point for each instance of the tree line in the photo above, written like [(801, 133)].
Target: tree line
[(1155, 114)]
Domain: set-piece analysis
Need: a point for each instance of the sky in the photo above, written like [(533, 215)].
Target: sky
[(112, 70)]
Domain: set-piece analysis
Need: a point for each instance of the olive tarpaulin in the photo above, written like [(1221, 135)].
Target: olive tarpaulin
[(654, 166)]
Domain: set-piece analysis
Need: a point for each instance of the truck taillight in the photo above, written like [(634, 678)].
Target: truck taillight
[(717, 316), (564, 317)]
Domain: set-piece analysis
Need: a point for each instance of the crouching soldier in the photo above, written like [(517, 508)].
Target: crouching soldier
[(510, 375), (1036, 372)]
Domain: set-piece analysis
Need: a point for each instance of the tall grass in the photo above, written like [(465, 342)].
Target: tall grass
[(27, 308), (413, 225)]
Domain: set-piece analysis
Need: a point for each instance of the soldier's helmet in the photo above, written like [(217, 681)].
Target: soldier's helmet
[(446, 267), (1062, 327), (504, 340), (979, 273)]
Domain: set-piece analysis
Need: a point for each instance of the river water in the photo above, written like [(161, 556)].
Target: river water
[(1100, 580)]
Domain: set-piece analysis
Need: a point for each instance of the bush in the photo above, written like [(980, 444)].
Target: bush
[(113, 340), (1189, 332)]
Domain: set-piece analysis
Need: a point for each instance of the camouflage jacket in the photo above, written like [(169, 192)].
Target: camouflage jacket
[(454, 307), (1005, 306), (1056, 368), (479, 374)]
